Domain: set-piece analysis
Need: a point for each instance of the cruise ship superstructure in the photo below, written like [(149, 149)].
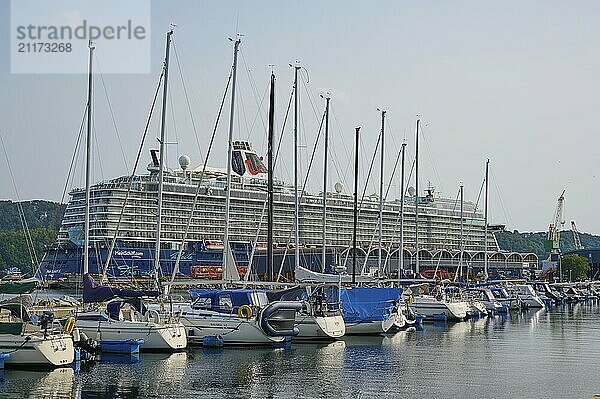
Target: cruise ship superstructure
[(439, 225)]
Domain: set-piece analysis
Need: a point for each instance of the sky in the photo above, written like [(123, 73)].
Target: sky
[(515, 81)]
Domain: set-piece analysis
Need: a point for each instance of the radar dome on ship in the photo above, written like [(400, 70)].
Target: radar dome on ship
[(338, 187), (411, 191), (184, 162)]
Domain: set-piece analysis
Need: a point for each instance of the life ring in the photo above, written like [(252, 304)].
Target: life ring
[(69, 325), (245, 311)]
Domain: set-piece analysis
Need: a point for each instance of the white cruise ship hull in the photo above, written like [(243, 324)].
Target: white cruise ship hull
[(32, 350)]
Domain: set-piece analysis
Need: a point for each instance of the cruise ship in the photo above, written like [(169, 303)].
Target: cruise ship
[(133, 254)]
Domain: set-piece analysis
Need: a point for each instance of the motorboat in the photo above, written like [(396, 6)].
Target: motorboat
[(236, 317), (320, 317), (570, 292), (31, 343), (485, 296), (527, 295), (512, 302), (546, 293), (587, 291), (475, 309)]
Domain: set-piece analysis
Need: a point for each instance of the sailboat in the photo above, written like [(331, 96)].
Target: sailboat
[(125, 319), (372, 310), (25, 343), (128, 318), (235, 316), (440, 306), (320, 316)]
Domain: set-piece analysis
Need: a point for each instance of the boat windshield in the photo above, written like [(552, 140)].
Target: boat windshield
[(500, 293)]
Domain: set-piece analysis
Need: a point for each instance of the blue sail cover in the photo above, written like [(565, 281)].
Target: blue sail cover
[(94, 292), (367, 304)]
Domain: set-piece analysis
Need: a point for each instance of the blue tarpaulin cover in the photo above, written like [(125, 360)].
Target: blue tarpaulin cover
[(366, 304), (94, 292)]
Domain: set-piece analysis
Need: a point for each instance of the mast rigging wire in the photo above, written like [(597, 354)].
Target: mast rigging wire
[(112, 114), (132, 176), (301, 194), (187, 99), (200, 180)]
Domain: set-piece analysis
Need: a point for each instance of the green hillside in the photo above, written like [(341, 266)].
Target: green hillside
[(43, 219), (38, 213), (534, 242)]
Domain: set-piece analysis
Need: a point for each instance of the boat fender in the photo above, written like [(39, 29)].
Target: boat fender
[(76, 335), (411, 299), (245, 311), (276, 323), (69, 325)]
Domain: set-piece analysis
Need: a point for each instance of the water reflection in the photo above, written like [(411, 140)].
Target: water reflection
[(537, 352), (57, 383)]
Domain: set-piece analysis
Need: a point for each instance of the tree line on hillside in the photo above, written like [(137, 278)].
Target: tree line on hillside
[(43, 220), (534, 242), (15, 253), (38, 213)]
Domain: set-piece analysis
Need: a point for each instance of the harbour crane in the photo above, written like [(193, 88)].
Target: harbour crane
[(552, 243), (576, 238)]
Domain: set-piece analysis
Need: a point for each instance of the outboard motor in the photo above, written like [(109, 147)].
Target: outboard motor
[(46, 319), (88, 347), (278, 319)]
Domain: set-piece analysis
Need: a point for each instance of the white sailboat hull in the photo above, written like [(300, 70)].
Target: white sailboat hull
[(234, 330), (54, 351), (430, 307), (316, 327), (372, 327), (157, 337)]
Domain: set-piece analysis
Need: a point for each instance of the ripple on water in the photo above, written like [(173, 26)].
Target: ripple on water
[(535, 354)]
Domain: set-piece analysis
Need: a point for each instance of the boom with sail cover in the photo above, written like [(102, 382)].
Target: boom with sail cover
[(94, 292)]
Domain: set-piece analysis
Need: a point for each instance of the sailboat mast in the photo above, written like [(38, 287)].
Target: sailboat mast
[(88, 156), (401, 251), (417, 198), (462, 238), (323, 250), (270, 177), (355, 226), (161, 162), (485, 238), (382, 156), (296, 205), (226, 249)]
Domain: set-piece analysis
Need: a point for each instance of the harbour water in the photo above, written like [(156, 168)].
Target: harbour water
[(532, 354)]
